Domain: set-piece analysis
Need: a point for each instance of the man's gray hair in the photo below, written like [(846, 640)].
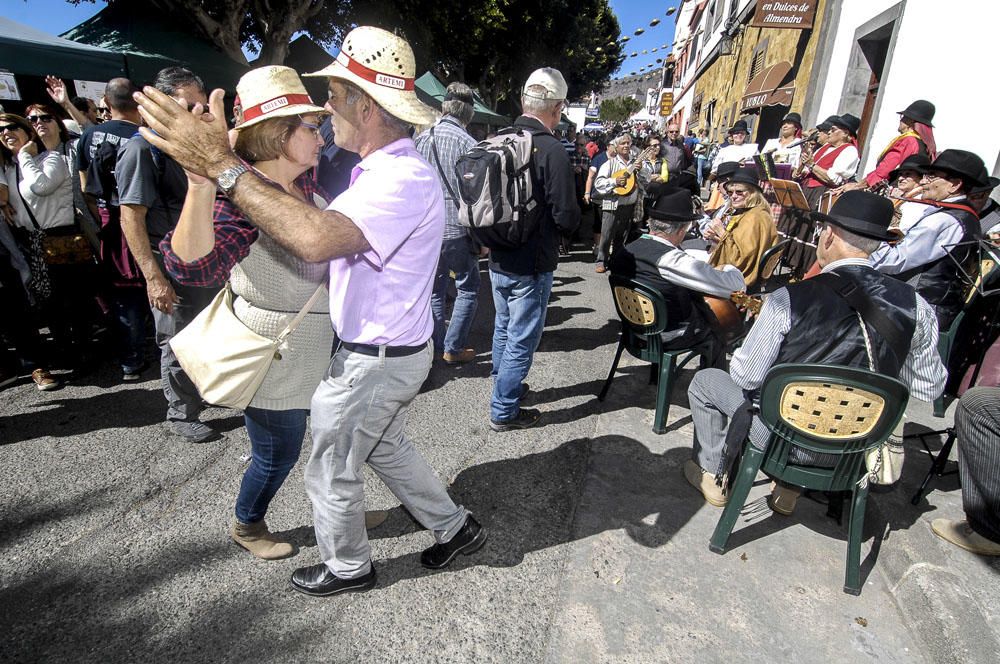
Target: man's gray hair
[(532, 101), (668, 227), (458, 102), (620, 137), (863, 244), (352, 94)]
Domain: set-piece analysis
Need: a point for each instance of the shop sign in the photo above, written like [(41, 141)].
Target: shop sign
[(782, 14)]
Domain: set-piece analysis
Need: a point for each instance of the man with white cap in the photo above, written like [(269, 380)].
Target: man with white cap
[(382, 238), (522, 277)]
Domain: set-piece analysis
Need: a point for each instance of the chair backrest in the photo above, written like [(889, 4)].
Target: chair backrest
[(639, 305), (770, 259), (830, 409)]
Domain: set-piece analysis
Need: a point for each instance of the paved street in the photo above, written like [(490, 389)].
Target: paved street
[(114, 546)]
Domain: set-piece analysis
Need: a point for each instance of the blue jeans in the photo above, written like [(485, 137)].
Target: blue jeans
[(701, 168), (275, 443), (131, 310), (520, 302), (458, 257)]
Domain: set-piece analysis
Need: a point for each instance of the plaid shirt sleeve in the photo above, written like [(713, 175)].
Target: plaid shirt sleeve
[(233, 237)]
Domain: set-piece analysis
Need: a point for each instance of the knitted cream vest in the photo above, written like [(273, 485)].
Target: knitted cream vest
[(273, 285)]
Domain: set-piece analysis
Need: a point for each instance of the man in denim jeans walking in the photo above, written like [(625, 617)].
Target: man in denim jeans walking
[(522, 277), (441, 146)]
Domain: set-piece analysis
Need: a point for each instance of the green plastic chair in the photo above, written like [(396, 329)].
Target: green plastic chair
[(834, 410), (643, 314)]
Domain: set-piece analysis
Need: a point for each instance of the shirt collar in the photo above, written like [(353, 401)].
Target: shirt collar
[(397, 148), (660, 239), (843, 262)]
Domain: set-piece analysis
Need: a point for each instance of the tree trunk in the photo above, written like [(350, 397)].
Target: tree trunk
[(278, 22)]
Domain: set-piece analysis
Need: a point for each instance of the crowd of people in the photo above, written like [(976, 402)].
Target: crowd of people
[(346, 216)]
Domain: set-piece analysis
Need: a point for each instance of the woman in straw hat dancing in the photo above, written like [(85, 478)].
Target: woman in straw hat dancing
[(278, 138)]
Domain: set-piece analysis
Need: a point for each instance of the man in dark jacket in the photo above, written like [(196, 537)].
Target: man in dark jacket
[(522, 277)]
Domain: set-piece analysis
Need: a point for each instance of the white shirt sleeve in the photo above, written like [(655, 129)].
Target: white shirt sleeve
[(754, 358), (42, 179), (679, 267), (603, 183), (844, 166), (928, 240), (923, 370)]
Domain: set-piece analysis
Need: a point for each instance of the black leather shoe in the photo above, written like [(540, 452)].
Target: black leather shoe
[(319, 581), (468, 540), (526, 418)]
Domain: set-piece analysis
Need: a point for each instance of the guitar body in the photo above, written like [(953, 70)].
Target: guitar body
[(729, 323), (629, 185)]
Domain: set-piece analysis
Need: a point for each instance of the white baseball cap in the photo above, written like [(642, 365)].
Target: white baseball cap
[(548, 78)]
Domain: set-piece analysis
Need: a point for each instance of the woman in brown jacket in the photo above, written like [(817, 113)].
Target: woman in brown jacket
[(742, 238)]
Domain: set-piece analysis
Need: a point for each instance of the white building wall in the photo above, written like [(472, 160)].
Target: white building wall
[(946, 57)]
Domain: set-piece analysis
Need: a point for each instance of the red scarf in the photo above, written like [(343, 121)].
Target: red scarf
[(824, 159)]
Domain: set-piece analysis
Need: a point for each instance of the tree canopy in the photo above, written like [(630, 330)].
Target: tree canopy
[(262, 26), (619, 109), (492, 45)]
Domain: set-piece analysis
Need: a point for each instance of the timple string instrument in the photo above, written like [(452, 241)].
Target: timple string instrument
[(629, 171)]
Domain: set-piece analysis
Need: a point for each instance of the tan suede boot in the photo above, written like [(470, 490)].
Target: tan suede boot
[(258, 540)]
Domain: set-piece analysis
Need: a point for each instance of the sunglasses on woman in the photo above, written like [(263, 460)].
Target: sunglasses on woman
[(36, 119), (5, 128)]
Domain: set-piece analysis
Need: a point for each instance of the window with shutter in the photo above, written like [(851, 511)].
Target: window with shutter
[(756, 65)]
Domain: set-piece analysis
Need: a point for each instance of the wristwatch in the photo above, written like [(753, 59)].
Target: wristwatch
[(227, 178)]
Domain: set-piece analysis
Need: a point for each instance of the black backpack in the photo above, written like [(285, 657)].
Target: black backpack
[(495, 198)]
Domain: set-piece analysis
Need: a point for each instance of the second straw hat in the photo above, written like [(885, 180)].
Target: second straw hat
[(270, 92)]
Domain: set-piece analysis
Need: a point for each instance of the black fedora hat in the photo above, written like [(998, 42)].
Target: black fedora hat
[(961, 163), (738, 126), (826, 125), (915, 162), (675, 205), (861, 212), (992, 184), (851, 123), (794, 118), (726, 169), (921, 110), (746, 175)]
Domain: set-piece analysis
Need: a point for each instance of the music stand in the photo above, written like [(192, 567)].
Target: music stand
[(984, 247), (789, 194)]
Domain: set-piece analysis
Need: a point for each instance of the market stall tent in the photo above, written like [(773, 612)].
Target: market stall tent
[(30, 52)]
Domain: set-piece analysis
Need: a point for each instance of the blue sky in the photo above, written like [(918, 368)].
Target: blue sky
[(55, 16)]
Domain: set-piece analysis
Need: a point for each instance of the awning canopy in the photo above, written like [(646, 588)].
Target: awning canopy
[(30, 52), (764, 89), (431, 91), (150, 41)]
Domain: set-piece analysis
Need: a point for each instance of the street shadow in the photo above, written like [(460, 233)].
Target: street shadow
[(111, 610), (568, 339), (65, 417), (558, 315), (581, 488)]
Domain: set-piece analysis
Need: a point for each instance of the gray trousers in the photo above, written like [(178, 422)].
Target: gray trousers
[(714, 399), (614, 229), (358, 416), (184, 403), (977, 428)]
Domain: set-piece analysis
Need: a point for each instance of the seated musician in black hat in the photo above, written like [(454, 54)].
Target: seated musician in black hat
[(817, 321), (941, 239), (656, 259), (987, 207)]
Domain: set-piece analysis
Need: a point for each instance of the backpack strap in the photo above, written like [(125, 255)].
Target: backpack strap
[(859, 300), (437, 159)]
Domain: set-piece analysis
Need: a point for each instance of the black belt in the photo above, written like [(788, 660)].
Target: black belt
[(390, 351)]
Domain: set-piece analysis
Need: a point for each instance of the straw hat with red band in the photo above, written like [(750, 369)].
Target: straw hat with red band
[(271, 92), (381, 64)]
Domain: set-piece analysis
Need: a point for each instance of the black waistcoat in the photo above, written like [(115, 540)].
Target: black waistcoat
[(826, 330), (637, 260), (941, 282)]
